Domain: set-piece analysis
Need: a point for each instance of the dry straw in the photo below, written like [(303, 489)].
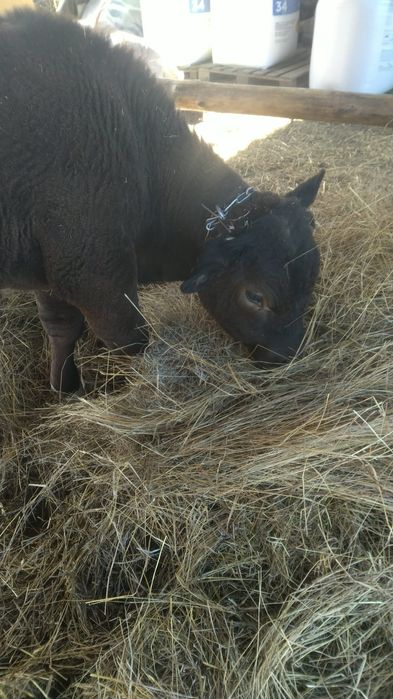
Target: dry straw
[(193, 527)]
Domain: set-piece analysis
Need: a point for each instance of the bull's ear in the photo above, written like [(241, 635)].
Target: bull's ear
[(194, 283), (306, 192)]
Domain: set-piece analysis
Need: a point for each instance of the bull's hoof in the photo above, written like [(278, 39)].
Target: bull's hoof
[(70, 389)]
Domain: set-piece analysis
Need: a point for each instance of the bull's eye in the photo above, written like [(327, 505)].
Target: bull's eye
[(256, 299)]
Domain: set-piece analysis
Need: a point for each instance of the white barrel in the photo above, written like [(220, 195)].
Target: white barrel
[(352, 46), (179, 30), (256, 33)]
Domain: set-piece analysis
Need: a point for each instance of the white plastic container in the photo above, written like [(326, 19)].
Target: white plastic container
[(179, 30), (256, 33), (353, 46)]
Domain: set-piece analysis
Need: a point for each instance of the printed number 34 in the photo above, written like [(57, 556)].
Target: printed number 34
[(281, 6), (198, 5)]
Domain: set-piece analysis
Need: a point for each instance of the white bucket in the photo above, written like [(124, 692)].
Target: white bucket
[(179, 30), (256, 33), (353, 46)]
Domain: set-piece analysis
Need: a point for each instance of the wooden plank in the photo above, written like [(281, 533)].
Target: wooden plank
[(286, 73), (298, 60), (250, 75), (191, 73), (242, 75), (291, 102), (296, 78)]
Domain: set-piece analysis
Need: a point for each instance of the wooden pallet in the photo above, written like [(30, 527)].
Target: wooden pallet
[(290, 73)]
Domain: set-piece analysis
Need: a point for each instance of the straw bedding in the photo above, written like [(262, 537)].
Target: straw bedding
[(193, 527)]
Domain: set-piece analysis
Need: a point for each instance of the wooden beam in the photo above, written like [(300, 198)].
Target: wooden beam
[(290, 102)]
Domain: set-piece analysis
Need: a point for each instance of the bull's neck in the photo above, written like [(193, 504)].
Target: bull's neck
[(197, 185)]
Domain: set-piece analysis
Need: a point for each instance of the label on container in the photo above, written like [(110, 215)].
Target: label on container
[(196, 7), (283, 31), (285, 7), (386, 57)]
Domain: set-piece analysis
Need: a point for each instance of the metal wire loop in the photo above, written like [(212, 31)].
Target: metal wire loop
[(220, 215)]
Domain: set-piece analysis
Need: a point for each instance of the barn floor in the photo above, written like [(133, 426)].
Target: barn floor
[(196, 528)]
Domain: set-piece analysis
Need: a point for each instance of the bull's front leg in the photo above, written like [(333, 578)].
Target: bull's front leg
[(106, 294), (100, 286), (64, 325), (117, 320)]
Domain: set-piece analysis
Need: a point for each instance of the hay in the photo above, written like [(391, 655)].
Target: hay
[(196, 528)]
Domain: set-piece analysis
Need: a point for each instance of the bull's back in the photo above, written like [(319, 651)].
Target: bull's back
[(85, 138), (65, 133), (49, 77), (50, 143)]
